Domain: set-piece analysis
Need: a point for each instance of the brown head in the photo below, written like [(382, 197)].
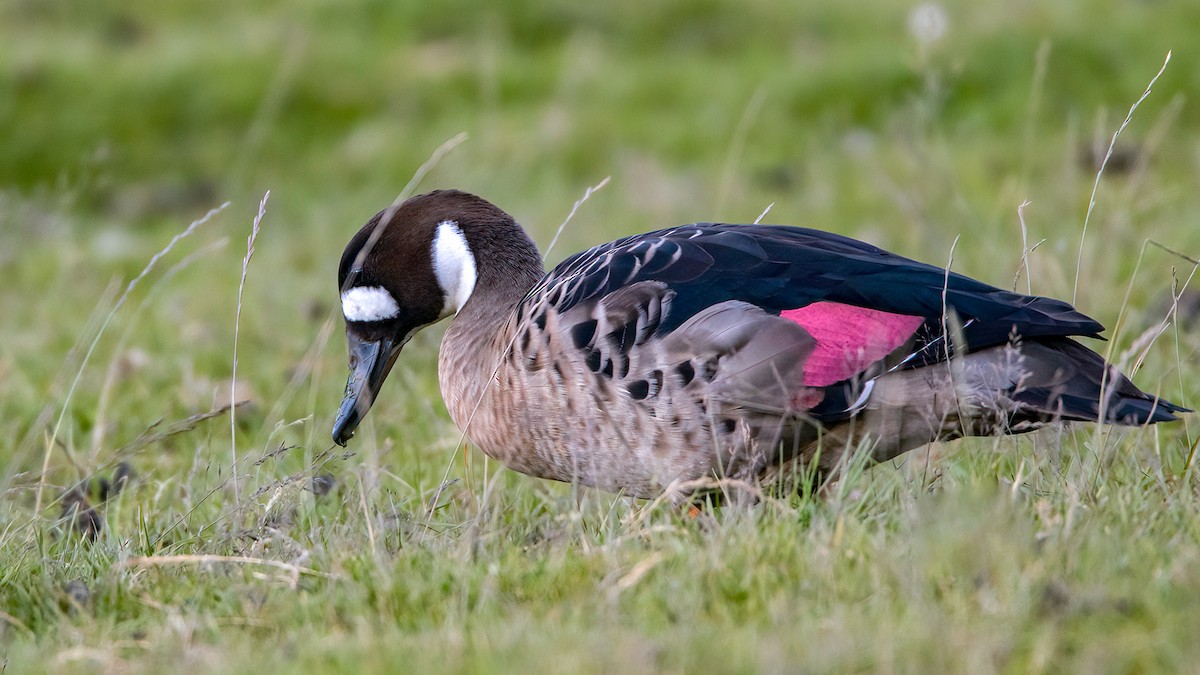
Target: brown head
[(417, 263)]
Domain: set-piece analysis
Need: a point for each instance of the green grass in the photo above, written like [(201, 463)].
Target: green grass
[(120, 123)]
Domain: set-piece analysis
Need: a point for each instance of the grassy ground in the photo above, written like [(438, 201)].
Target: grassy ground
[(120, 123)]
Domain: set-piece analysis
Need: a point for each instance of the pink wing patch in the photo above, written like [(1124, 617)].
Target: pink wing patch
[(849, 339)]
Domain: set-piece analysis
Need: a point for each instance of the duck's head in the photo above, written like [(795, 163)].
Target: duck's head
[(408, 267)]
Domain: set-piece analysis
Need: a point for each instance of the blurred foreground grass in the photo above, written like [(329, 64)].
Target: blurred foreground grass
[(120, 123)]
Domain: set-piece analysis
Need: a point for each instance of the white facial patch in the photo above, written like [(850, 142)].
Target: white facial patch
[(454, 265), (369, 303)]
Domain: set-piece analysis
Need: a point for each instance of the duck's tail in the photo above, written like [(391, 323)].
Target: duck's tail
[(1068, 381)]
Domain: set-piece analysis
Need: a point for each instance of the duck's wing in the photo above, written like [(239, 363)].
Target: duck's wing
[(841, 289)]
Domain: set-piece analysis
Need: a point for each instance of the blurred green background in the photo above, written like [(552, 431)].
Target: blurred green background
[(920, 127), (138, 113)]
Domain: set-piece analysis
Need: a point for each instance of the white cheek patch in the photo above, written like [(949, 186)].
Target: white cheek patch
[(454, 265), (369, 303)]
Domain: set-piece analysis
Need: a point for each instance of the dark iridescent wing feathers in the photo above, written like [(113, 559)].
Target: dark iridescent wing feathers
[(779, 268)]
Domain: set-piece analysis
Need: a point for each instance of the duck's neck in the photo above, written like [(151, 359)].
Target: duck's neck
[(508, 264), (478, 336)]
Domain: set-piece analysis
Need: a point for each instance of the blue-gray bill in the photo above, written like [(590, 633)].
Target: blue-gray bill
[(370, 363)]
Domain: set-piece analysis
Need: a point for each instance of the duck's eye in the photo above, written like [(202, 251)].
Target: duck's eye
[(369, 303)]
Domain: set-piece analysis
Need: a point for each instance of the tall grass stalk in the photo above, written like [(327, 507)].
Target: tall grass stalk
[(237, 321), (1100, 172)]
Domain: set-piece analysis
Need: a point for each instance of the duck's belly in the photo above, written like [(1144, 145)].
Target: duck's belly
[(590, 435), (661, 422)]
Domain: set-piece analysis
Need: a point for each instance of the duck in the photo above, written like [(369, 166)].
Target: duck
[(660, 362)]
